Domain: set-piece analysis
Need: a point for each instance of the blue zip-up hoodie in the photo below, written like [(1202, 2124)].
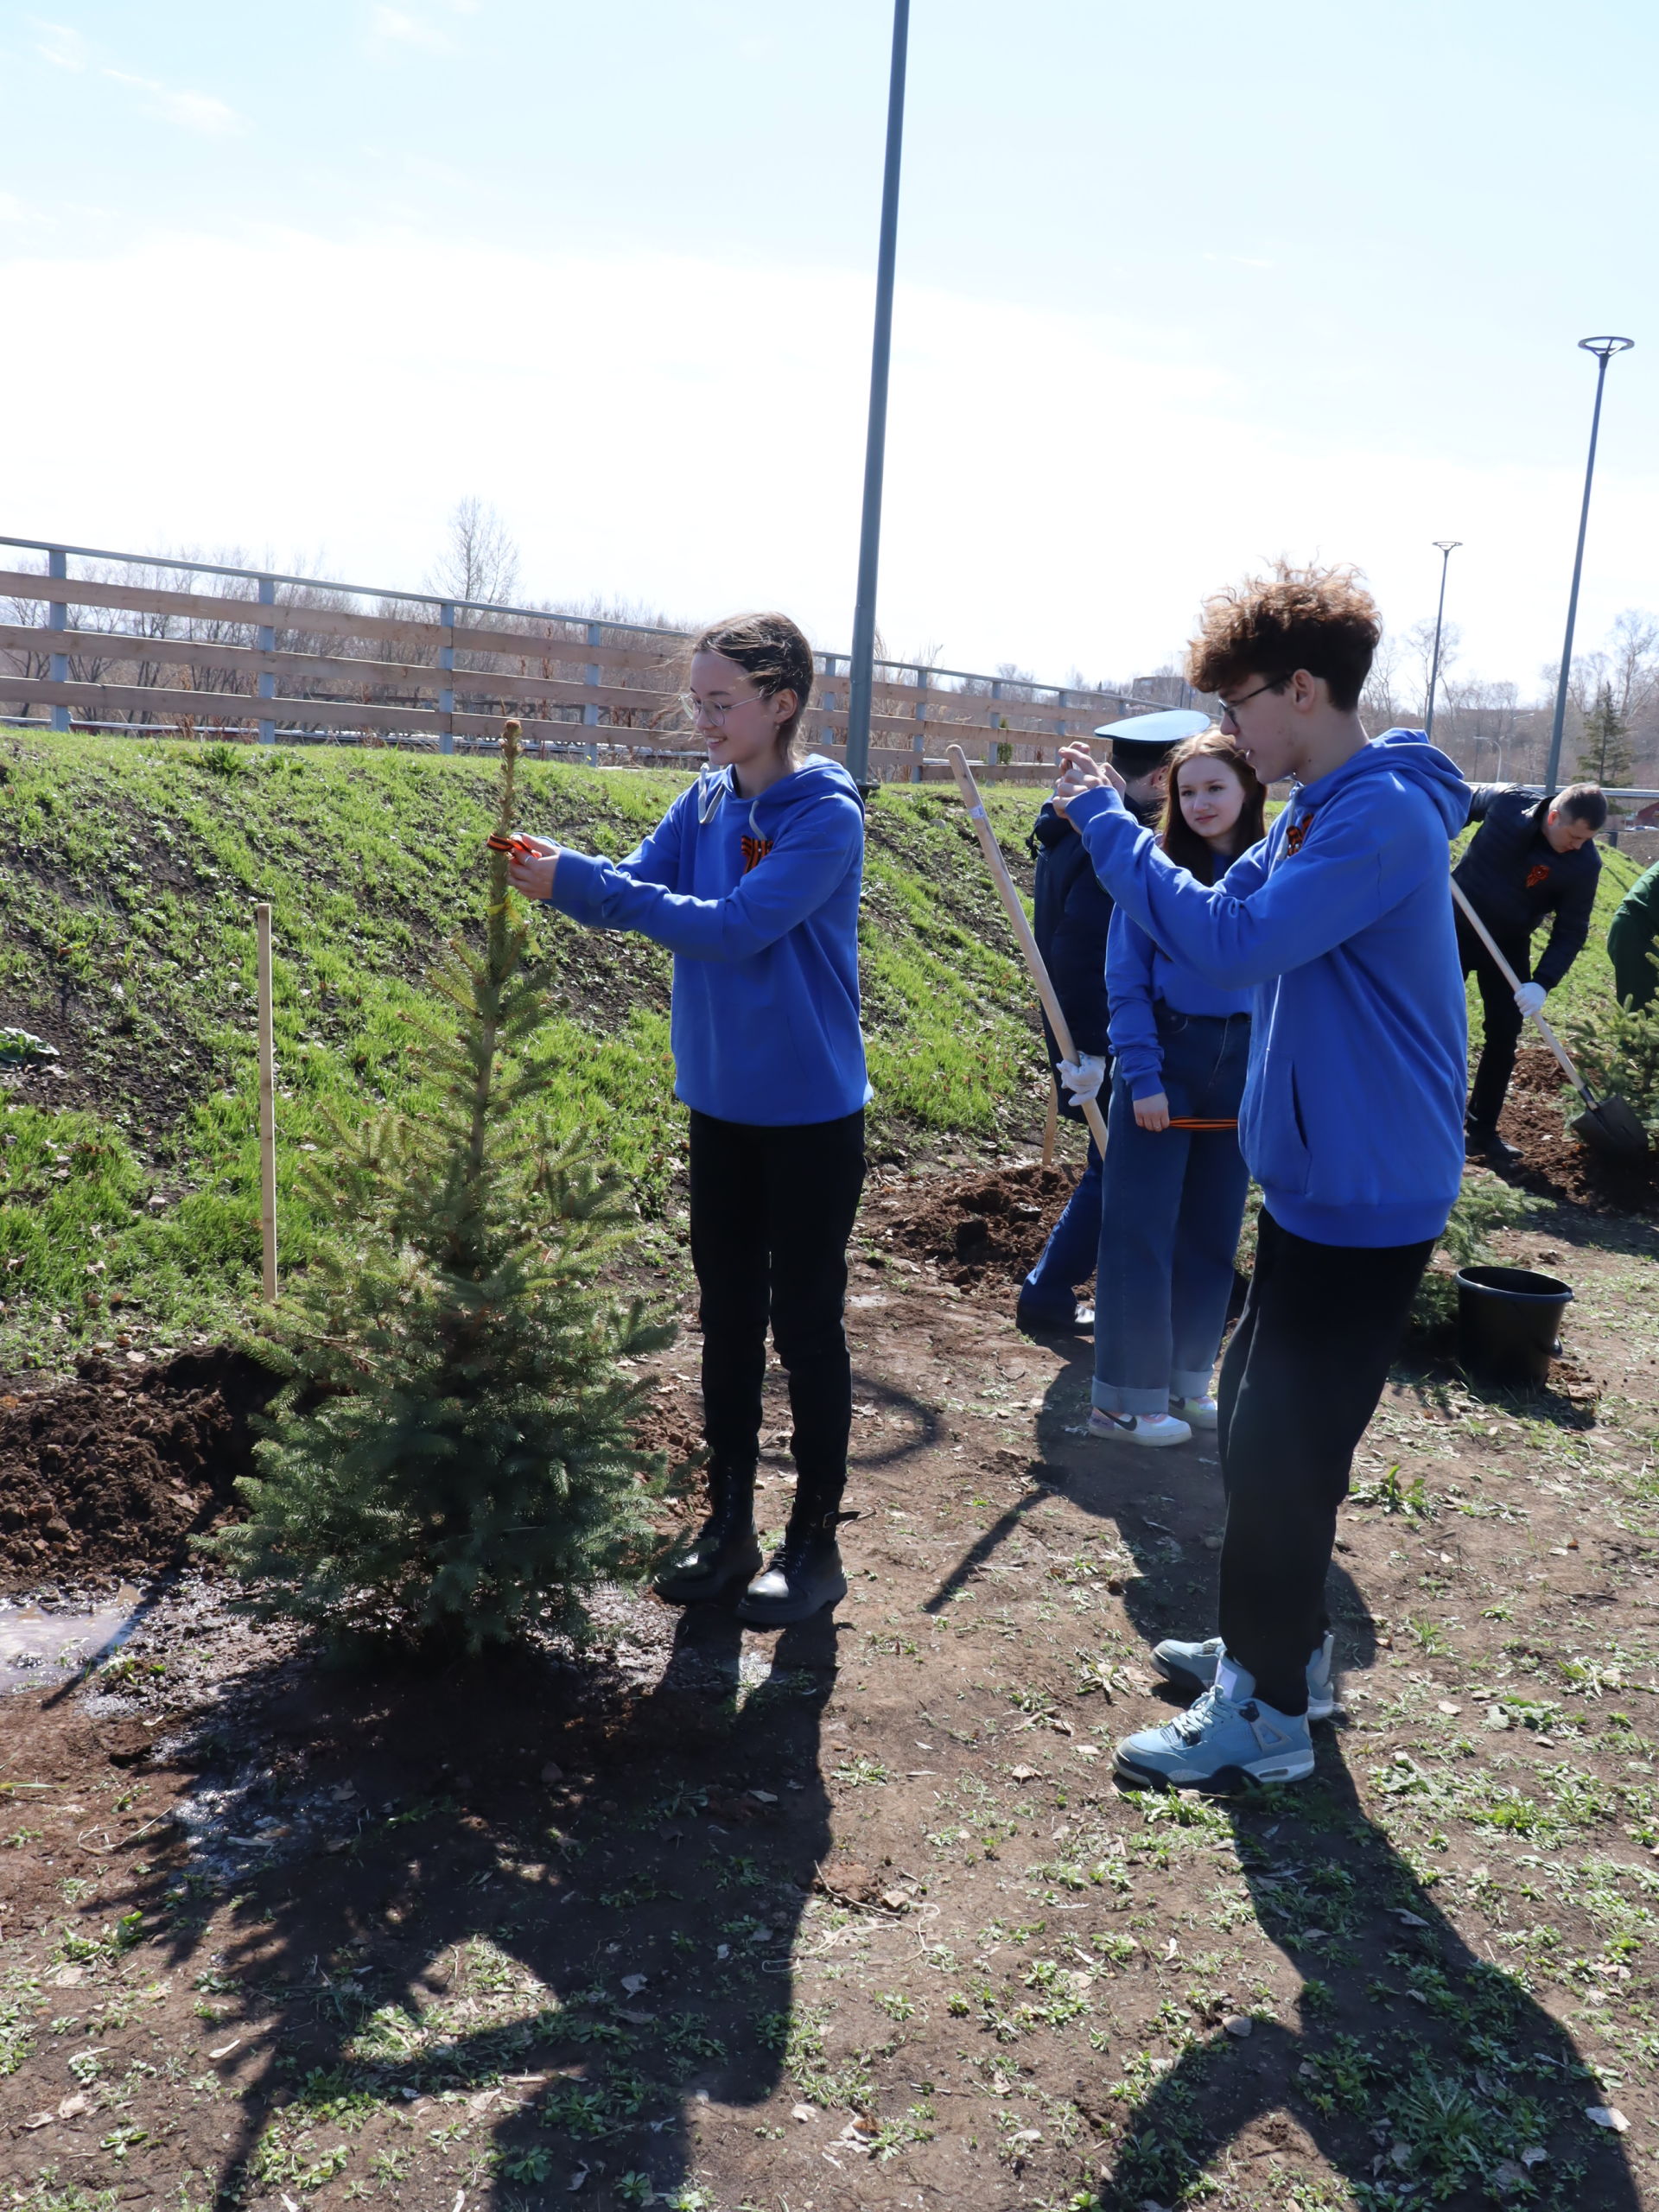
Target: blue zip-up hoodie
[(758, 901), (1340, 920), (1139, 973)]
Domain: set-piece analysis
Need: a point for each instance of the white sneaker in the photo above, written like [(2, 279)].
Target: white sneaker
[(1198, 1413), (1155, 1429)]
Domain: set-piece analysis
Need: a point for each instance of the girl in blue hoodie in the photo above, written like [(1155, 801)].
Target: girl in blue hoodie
[(1339, 925), (752, 879), (1172, 1198)]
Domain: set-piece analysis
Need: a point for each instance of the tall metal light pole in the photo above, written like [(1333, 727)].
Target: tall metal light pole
[(1446, 547), (1603, 349), (875, 444)]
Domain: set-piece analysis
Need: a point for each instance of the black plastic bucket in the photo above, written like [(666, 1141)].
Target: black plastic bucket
[(1508, 1324)]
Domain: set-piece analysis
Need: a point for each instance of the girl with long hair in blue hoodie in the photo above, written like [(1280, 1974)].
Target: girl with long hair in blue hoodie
[(752, 879), (1172, 1198), (1339, 925)]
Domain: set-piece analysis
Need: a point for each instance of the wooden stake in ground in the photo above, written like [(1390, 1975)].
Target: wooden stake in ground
[(267, 1106), (1033, 959)]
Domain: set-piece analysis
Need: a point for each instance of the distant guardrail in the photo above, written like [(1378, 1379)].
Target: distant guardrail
[(306, 659)]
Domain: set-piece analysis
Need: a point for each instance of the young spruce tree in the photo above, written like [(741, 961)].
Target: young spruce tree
[(450, 1461)]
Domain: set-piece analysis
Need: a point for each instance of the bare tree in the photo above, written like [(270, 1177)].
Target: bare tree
[(1420, 651), (480, 561), (1379, 701)]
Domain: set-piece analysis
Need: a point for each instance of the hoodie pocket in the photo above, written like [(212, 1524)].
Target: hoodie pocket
[(1276, 1137)]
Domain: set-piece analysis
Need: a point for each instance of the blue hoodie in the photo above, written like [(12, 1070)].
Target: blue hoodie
[(1140, 973), (758, 901), (1340, 921)]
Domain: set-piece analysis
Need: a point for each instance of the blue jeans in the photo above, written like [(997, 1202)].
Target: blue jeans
[(1069, 1255), (1172, 1202)]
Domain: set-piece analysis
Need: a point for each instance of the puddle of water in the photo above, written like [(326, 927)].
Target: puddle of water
[(39, 1648)]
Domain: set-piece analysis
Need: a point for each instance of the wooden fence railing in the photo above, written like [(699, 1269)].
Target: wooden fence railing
[(270, 656)]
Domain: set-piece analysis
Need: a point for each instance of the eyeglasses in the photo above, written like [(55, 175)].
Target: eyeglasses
[(691, 707), (1229, 707)]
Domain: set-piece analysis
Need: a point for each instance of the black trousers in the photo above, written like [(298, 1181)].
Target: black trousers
[(772, 1210), (1301, 1378), (1502, 1018)]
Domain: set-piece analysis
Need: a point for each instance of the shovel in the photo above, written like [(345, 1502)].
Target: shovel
[(1016, 914), (1611, 1124)]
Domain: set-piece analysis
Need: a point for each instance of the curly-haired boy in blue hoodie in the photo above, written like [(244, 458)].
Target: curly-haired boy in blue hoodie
[(1340, 922)]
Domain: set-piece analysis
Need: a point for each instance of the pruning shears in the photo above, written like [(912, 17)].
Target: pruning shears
[(519, 845)]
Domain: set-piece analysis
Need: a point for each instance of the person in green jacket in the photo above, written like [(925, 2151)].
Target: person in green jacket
[(1630, 941)]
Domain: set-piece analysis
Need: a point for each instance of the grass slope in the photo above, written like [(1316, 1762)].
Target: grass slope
[(129, 1190), (129, 869)]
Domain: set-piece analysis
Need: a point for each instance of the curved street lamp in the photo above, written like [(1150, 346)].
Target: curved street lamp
[(1603, 349), (1446, 547)]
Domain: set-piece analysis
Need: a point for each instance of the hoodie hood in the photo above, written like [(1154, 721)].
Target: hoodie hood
[(816, 776), (1407, 754), (758, 901)]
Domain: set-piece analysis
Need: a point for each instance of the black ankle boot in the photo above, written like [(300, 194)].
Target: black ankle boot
[(726, 1551), (803, 1576)]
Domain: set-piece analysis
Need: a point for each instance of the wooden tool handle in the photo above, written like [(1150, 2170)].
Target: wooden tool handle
[(1033, 959), (267, 1105)]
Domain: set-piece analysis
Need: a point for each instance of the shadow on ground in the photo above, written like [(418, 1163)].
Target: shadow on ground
[(1426, 2073)]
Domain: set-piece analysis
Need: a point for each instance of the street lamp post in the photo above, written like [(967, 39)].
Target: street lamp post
[(861, 673), (1446, 547), (1603, 349)]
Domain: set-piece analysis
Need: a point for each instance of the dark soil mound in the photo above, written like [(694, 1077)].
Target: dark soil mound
[(112, 1471), (1560, 1165), (987, 1229)]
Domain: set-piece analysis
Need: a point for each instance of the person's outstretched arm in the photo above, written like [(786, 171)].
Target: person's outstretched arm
[(1345, 877), (809, 861)]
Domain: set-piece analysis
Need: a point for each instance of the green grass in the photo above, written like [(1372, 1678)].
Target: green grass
[(128, 870)]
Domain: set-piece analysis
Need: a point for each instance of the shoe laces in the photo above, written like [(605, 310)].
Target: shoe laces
[(1209, 1708)]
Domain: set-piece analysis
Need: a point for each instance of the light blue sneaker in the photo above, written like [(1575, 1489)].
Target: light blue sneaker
[(1192, 1667), (1220, 1743)]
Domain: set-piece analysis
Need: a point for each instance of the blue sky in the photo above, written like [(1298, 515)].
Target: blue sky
[(1179, 289)]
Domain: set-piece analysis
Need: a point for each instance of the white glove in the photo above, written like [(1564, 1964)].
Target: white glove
[(1530, 997), (1084, 1077)]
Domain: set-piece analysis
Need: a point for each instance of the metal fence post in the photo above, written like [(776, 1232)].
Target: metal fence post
[(267, 675), (57, 618), (590, 714), (918, 743), (447, 691), (827, 696)]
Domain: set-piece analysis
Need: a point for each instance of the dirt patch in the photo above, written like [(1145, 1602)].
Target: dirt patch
[(111, 1472), (1558, 1165), (853, 1916), (984, 1228)]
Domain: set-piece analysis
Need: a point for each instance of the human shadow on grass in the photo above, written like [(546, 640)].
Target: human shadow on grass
[(1421, 2072), (545, 1976)]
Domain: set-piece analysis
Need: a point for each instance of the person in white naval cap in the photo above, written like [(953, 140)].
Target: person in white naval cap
[(1072, 913)]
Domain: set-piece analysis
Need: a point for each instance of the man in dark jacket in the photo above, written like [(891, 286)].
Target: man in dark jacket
[(1071, 912), (1532, 857)]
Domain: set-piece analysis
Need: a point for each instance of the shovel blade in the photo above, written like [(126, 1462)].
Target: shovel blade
[(1611, 1127)]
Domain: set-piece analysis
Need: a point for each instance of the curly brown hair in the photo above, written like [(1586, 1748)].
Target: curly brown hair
[(1322, 620), (1176, 836)]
